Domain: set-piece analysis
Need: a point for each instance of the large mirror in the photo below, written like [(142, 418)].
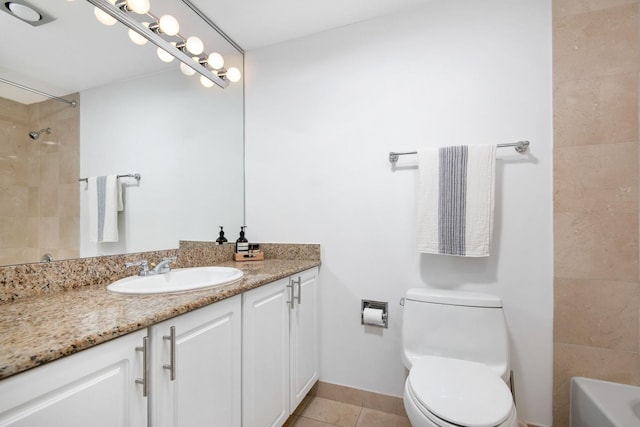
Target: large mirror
[(134, 115)]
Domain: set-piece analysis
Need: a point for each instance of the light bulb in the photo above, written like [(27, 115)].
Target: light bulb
[(137, 38), (194, 45), (104, 17), (138, 6), (186, 70), (233, 74), (215, 61), (169, 25), (164, 55), (205, 81)]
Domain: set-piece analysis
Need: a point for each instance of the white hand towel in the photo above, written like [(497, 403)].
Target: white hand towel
[(105, 200), (456, 200)]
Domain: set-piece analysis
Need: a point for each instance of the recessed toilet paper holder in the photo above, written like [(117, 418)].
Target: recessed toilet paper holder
[(382, 321)]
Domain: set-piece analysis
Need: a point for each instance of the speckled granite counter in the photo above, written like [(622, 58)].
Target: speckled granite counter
[(41, 328)]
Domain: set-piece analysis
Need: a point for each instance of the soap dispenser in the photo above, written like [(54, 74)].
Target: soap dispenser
[(220, 240), (242, 244)]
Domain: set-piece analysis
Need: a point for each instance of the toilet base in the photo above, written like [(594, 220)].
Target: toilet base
[(419, 418)]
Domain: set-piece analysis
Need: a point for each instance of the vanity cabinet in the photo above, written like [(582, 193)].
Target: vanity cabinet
[(280, 348), (246, 360), (195, 362), (96, 387), (193, 378)]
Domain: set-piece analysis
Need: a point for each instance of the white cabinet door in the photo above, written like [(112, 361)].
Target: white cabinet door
[(304, 335), (96, 387), (265, 359), (206, 362)]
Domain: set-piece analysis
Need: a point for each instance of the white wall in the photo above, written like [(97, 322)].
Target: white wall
[(322, 114), (185, 141)]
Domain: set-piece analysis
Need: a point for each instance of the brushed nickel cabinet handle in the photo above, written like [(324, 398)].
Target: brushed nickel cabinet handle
[(172, 352), (291, 297), (299, 283), (145, 366)]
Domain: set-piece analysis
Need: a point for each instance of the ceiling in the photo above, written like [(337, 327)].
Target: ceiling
[(75, 52), (258, 23)]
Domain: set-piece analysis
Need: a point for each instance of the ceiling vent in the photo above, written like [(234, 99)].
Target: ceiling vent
[(26, 13)]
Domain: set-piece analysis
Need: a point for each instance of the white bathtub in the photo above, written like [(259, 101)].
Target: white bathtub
[(596, 403)]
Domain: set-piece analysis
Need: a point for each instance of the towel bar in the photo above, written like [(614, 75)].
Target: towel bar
[(520, 146), (129, 175)]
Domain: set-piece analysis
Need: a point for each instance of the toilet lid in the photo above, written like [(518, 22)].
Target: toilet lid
[(460, 392)]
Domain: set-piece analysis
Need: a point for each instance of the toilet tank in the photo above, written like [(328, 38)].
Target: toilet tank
[(461, 325)]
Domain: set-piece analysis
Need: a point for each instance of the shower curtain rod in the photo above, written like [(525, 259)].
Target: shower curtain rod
[(73, 102)]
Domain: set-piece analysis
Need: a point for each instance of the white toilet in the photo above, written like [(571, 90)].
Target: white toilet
[(456, 348)]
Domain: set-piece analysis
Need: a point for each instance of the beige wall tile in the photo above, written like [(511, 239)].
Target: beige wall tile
[(49, 232), (596, 302), (15, 200), (10, 256), (69, 168), (40, 168), (49, 199), (13, 232), (597, 313), (34, 201), (49, 169), (33, 169), (69, 233), (596, 111), (596, 245), (69, 199), (575, 360), (33, 232), (599, 43), (596, 178), (13, 111), (574, 7)]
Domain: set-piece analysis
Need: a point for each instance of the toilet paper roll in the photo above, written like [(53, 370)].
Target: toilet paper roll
[(372, 316)]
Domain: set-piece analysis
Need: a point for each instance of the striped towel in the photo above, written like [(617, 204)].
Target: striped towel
[(105, 201), (456, 200)]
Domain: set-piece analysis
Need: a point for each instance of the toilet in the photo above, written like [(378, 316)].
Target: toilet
[(456, 347)]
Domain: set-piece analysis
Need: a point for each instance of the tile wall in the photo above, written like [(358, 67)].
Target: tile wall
[(596, 61), (39, 205)]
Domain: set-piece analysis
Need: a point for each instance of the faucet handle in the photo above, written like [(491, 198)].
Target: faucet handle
[(136, 263), (142, 263), (170, 259)]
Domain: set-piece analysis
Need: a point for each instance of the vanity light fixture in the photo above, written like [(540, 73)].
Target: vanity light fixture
[(164, 33), (26, 12)]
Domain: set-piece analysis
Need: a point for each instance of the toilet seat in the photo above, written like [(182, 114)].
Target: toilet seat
[(459, 392)]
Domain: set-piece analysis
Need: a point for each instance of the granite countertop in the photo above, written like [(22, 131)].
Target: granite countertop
[(40, 329)]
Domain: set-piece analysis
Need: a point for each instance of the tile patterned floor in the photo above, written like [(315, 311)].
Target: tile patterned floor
[(317, 411)]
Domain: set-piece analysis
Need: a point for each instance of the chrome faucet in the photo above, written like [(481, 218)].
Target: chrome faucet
[(163, 266), (143, 264)]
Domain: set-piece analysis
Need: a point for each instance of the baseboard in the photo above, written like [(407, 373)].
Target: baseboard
[(354, 396)]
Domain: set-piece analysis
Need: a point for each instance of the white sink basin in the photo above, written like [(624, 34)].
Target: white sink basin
[(178, 280)]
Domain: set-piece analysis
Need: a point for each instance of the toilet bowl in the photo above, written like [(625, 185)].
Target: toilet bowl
[(442, 392), (455, 345)]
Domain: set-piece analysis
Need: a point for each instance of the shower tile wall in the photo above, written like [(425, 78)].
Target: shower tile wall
[(596, 56), (39, 190)]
